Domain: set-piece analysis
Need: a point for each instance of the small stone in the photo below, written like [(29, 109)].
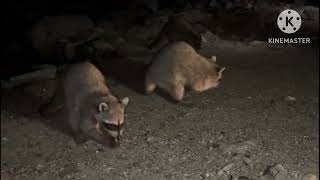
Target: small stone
[(109, 169), (239, 148), (290, 99), (203, 39), (150, 139), (212, 145), (68, 176), (277, 172), (274, 170), (39, 166), (186, 175), (247, 161), (225, 170), (209, 174)]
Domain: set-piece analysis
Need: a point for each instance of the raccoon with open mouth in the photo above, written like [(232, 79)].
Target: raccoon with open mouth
[(178, 66), (92, 111)]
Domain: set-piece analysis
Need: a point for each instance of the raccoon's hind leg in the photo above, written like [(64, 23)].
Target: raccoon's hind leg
[(74, 122), (51, 108), (177, 92), (200, 85), (150, 85), (55, 103)]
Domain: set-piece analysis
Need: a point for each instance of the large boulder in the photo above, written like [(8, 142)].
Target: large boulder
[(52, 36), (180, 28)]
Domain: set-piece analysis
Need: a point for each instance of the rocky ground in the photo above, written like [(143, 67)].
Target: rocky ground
[(261, 123)]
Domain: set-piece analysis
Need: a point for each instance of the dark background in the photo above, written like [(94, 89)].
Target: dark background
[(20, 16)]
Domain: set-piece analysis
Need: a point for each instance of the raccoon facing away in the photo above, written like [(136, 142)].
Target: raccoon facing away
[(91, 110), (178, 66)]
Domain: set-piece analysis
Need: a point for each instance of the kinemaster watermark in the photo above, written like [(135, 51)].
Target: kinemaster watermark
[(289, 21)]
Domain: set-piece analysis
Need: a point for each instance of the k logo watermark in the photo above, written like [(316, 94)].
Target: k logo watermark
[(289, 21)]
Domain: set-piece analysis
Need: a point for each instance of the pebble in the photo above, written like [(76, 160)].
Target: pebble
[(39, 166), (209, 174), (248, 161), (275, 170), (278, 172), (290, 99), (238, 148), (226, 169), (150, 139), (68, 176)]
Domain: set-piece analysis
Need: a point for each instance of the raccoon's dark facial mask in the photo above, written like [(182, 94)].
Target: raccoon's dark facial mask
[(109, 125), (112, 127), (108, 129)]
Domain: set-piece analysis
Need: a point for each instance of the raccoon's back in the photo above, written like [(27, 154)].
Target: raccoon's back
[(83, 78), (175, 58)]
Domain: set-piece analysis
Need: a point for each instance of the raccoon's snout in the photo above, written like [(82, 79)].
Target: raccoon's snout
[(112, 127), (113, 130), (114, 134)]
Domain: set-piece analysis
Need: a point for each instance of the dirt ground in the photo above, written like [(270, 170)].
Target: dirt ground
[(263, 118)]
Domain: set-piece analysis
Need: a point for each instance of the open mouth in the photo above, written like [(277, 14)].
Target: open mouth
[(113, 130), (112, 127)]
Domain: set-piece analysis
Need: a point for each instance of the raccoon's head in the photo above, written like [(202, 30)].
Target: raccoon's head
[(111, 117), (215, 75)]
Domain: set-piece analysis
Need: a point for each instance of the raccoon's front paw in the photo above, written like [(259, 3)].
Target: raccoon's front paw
[(114, 143), (109, 142)]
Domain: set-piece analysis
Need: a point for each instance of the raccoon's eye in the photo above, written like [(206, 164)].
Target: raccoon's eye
[(112, 127)]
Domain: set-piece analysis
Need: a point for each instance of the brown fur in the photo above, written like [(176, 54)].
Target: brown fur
[(178, 66), (89, 104)]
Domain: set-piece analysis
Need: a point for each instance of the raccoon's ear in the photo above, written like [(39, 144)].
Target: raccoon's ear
[(213, 59), (220, 71), (125, 101), (103, 107), (219, 68)]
